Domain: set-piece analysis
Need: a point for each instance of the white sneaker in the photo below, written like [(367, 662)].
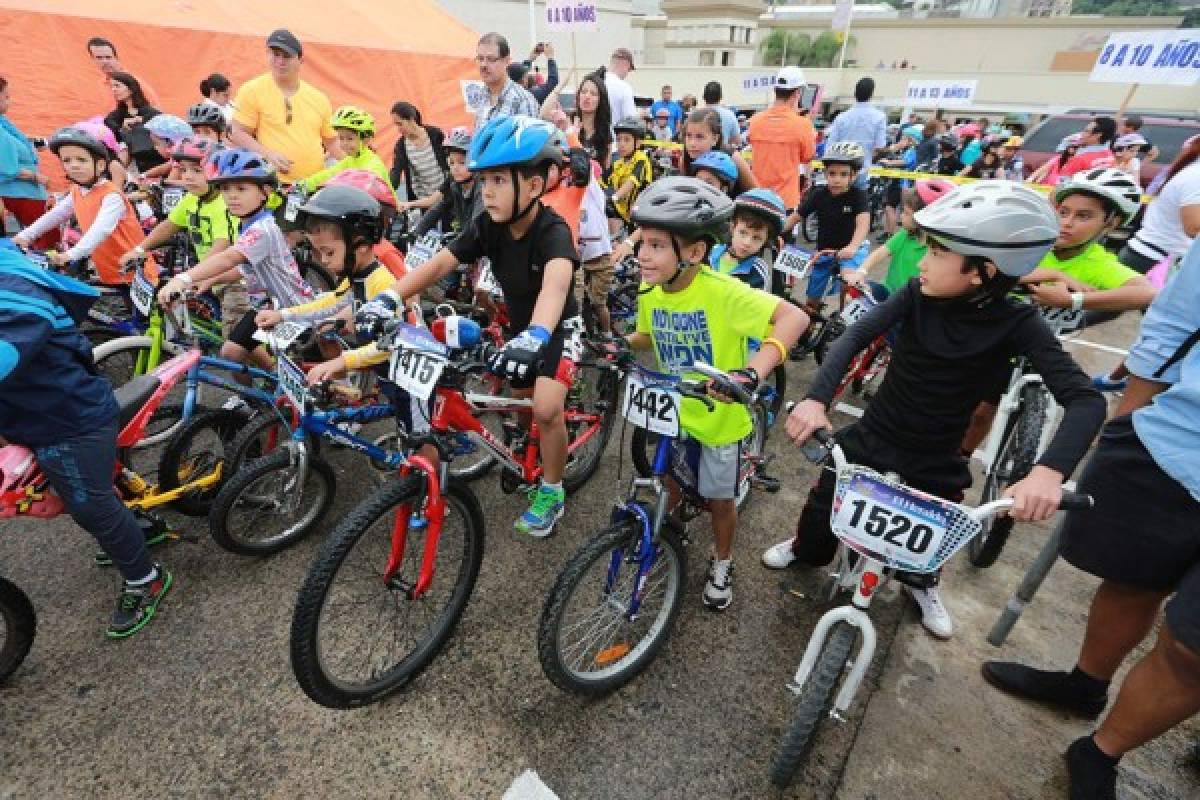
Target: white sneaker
[(934, 615), (235, 403), (718, 590), (779, 556)]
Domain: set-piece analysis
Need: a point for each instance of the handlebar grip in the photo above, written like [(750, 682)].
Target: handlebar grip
[(1076, 501)]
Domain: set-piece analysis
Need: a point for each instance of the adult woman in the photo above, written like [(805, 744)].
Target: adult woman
[(595, 118), (1173, 218), (217, 90), (419, 165), (128, 120), (22, 189)]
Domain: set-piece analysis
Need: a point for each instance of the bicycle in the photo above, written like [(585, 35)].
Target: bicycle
[(796, 264), (883, 526), (873, 359), (18, 626), (629, 579), (1025, 419), (622, 299)]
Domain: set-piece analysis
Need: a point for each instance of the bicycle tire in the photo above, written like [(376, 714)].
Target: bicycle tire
[(752, 447), (229, 537), (178, 462), (307, 664), (18, 628), (465, 469), (636, 658), (832, 330), (580, 468), (778, 381), (116, 361), (813, 705), (249, 443)]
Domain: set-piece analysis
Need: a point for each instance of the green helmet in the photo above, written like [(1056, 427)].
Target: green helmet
[(353, 118)]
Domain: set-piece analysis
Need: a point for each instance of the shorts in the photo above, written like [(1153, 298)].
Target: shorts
[(712, 468), (243, 331), (821, 281), (1144, 530), (235, 303), (560, 358), (597, 276)]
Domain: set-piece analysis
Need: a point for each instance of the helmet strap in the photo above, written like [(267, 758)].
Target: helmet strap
[(518, 212)]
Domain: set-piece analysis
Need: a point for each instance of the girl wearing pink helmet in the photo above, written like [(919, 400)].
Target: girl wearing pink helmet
[(903, 251)]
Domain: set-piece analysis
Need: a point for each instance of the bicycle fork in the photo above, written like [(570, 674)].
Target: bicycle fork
[(647, 552), (428, 511)]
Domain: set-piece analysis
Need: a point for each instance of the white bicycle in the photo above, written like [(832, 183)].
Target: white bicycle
[(883, 526)]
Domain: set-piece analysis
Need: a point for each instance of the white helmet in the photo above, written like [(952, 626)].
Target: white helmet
[(845, 152), (1007, 223), (1114, 186)]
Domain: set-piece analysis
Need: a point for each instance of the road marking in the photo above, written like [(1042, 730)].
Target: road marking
[(528, 786), (1097, 346)]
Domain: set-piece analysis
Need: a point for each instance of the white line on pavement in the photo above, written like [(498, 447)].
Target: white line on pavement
[(1097, 346), (528, 786)]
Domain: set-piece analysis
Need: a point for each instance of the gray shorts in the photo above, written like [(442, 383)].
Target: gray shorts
[(715, 468)]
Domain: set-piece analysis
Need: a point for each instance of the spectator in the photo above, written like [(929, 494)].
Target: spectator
[(506, 97), (862, 123), (673, 109), (127, 121), (783, 140), (688, 104), (419, 165), (1172, 219), (22, 189), (660, 126), (281, 117), (729, 126), (927, 150), (1095, 148), (595, 125), (217, 89), (620, 93), (104, 55), (524, 74)]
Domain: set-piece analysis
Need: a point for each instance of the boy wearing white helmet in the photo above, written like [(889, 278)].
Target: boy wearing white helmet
[(957, 329)]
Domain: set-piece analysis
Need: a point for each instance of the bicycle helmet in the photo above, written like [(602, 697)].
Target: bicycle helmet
[(240, 165), (459, 141), (1130, 140), (1005, 222), (368, 182), (631, 125), (947, 141), (197, 150), (79, 136), (719, 163), (1117, 188), (931, 190), (1068, 141), (513, 142), (21, 491), (354, 211), (914, 132), (169, 127), (686, 207), (1014, 142), (849, 153), (353, 118), (206, 115), (765, 204)]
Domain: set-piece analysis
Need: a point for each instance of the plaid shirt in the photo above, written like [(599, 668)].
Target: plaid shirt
[(513, 101)]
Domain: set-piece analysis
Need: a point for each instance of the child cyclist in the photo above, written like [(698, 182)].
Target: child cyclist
[(207, 122), (381, 191), (749, 256), (630, 173), (110, 225), (460, 201), (958, 328), (533, 259), (688, 313), (355, 129), (261, 253), (53, 402)]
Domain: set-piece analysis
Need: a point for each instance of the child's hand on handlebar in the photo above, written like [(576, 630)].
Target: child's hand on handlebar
[(806, 418), (746, 378), (1037, 496), (326, 370), (268, 318), (172, 291), (846, 253), (856, 278), (56, 258)]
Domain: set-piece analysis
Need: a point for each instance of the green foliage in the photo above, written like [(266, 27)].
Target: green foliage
[(781, 48), (1136, 8)]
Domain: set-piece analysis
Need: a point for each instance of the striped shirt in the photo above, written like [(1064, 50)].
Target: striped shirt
[(426, 172), (514, 100), (271, 269)]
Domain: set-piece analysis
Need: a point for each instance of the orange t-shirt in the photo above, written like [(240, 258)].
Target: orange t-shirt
[(783, 140), (127, 235), (567, 201)]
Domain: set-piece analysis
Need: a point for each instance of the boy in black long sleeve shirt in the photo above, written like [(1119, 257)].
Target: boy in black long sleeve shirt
[(958, 330)]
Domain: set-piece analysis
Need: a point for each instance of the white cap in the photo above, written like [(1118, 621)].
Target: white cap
[(789, 78)]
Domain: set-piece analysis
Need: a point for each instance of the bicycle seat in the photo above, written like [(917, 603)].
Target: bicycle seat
[(133, 395)]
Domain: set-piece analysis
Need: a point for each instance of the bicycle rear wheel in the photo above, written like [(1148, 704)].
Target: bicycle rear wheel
[(595, 404), (356, 639), (18, 625), (587, 643), (197, 449)]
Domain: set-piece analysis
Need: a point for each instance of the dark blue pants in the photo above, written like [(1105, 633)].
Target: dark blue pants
[(80, 470)]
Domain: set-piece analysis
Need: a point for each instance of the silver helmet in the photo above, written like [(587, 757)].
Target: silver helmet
[(1115, 186)]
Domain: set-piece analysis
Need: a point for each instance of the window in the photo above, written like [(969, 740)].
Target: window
[(706, 58), (747, 37), (726, 58), (732, 34)]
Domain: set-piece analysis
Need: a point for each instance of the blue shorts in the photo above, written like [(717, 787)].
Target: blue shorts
[(821, 281)]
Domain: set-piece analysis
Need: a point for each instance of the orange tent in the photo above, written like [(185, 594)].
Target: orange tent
[(363, 52)]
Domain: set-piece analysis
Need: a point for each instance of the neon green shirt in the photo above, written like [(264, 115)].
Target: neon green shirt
[(907, 253), (365, 159), (1095, 266), (205, 222), (709, 321)]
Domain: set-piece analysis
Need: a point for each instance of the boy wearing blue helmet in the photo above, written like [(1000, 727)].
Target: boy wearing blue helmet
[(758, 217), (533, 258)]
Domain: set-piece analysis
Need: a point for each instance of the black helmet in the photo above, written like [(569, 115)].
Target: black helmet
[(948, 141), (79, 138), (631, 125), (354, 210), (688, 207), (206, 115)]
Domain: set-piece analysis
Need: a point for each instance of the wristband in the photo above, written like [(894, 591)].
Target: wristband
[(540, 333), (1077, 301), (783, 355)]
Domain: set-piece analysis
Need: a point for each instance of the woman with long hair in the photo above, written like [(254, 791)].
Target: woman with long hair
[(1047, 174), (419, 164), (595, 118), (1172, 219), (128, 120)]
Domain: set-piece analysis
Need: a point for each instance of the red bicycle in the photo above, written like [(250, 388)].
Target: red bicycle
[(873, 359)]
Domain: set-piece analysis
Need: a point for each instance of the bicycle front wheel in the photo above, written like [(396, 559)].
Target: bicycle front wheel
[(588, 641), (356, 638), (18, 624), (196, 451)]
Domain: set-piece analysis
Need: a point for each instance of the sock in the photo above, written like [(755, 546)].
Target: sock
[(554, 487), (1086, 684), (143, 581), (1091, 771)]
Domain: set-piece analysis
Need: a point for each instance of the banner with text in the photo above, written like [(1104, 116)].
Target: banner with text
[(570, 15), (1167, 58), (763, 81), (842, 13), (940, 94)]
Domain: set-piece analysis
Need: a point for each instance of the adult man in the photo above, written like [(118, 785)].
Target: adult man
[(730, 131), (862, 123), (506, 98), (282, 118), (620, 93), (783, 139), (523, 73), (673, 109), (104, 55), (1095, 149)]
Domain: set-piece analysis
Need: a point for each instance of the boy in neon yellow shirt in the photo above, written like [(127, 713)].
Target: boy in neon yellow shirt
[(355, 129), (688, 313)]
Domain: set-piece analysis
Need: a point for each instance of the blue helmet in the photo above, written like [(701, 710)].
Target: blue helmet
[(514, 142), (764, 204), (169, 127), (717, 162), (914, 132), (240, 165)]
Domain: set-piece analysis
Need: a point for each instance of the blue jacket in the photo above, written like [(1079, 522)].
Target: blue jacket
[(49, 388)]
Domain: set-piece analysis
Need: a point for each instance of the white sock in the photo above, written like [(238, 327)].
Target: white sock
[(552, 486), (143, 581)]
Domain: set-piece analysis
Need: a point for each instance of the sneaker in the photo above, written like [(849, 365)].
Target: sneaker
[(137, 604), (154, 528), (1105, 383), (1080, 694), (718, 589), (779, 556), (1091, 772), (236, 403), (934, 615), (545, 509)]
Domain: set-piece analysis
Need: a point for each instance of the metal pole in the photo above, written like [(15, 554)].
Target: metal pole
[(1032, 581), (845, 41)]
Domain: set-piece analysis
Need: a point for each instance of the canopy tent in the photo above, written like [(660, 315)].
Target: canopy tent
[(363, 52)]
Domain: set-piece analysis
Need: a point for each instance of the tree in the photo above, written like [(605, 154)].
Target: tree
[(1137, 8), (779, 44)]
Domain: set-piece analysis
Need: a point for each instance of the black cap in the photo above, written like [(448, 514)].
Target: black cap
[(285, 40)]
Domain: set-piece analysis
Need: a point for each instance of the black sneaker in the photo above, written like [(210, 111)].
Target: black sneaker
[(1091, 773), (154, 528), (1059, 690), (136, 605)]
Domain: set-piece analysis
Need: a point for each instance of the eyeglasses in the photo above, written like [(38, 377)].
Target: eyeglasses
[(487, 59), (287, 105)]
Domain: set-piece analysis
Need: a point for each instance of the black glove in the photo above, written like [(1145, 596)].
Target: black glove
[(374, 315), (522, 356), (746, 378)]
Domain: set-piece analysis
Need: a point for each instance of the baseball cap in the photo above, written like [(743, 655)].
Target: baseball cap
[(789, 78), (626, 54), (285, 40)]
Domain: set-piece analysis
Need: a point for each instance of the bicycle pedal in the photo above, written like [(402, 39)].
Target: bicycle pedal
[(766, 483)]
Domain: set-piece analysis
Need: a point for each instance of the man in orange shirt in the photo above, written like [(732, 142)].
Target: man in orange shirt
[(783, 139)]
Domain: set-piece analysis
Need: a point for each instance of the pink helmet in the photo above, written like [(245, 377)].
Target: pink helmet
[(933, 189), (970, 128), (23, 489), (369, 182), (99, 131)]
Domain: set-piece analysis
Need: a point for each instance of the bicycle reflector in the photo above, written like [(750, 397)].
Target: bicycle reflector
[(457, 333)]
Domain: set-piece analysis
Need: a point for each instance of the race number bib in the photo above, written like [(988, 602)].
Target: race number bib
[(794, 262), (422, 250), (856, 310), (293, 382), (416, 372), (903, 528), (1062, 320), (487, 281), (171, 198), (291, 210), (141, 293), (655, 408)]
